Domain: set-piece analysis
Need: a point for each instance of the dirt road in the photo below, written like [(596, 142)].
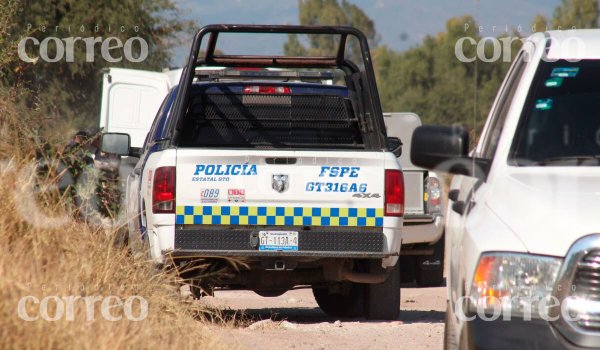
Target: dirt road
[(294, 321)]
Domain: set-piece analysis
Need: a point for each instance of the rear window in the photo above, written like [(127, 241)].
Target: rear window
[(560, 125), (258, 120)]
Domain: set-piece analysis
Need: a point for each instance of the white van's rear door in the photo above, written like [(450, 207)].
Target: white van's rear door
[(130, 100)]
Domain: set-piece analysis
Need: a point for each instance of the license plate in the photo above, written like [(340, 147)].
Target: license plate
[(278, 240)]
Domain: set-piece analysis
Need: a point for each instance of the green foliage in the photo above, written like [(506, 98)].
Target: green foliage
[(539, 23), (430, 81), (72, 90), (329, 12), (580, 14)]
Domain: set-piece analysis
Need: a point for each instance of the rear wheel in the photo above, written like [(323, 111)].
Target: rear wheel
[(382, 301), (347, 301), (429, 269)]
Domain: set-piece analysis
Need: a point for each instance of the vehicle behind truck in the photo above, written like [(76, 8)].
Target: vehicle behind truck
[(522, 220), (280, 161), (423, 240)]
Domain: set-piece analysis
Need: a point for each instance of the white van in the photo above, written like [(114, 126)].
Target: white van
[(131, 98)]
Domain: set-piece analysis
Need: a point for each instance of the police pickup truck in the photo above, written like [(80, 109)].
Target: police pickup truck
[(281, 162)]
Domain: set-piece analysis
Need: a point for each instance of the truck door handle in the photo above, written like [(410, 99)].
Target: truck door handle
[(453, 195)]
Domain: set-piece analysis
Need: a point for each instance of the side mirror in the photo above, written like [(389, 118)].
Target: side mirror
[(395, 146), (116, 143), (434, 145), (446, 149)]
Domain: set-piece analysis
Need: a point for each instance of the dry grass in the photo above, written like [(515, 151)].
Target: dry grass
[(73, 259)]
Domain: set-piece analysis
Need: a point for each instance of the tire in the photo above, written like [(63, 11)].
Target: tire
[(450, 339), (347, 303), (429, 269), (382, 301), (406, 269)]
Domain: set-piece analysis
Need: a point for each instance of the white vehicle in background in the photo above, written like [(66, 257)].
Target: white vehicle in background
[(422, 257), (523, 224), (131, 98)]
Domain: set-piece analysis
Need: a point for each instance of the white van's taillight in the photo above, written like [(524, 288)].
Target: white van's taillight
[(394, 193), (163, 191)]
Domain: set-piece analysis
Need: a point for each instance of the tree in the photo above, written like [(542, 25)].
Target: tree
[(329, 12), (539, 23), (579, 14), (430, 81), (72, 90)]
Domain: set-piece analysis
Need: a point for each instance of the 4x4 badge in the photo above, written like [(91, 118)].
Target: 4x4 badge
[(280, 183)]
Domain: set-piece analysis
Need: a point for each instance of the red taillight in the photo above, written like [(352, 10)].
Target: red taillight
[(264, 89), (394, 193), (163, 191)]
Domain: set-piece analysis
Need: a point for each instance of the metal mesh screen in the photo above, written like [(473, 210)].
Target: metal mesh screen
[(270, 121)]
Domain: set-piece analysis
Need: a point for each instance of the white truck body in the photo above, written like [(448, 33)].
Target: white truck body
[(526, 228), (236, 181), (131, 99)]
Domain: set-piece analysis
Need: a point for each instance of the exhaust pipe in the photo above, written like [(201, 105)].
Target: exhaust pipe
[(362, 277), (344, 272)]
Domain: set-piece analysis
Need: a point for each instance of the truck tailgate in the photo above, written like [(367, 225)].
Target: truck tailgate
[(279, 188)]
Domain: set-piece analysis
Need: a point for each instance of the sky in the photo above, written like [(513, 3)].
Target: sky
[(400, 23)]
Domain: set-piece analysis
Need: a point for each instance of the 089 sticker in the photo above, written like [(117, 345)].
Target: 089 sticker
[(209, 195)]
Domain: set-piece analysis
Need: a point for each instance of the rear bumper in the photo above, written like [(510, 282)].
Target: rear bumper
[(236, 241), (418, 230), (271, 254), (245, 238)]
